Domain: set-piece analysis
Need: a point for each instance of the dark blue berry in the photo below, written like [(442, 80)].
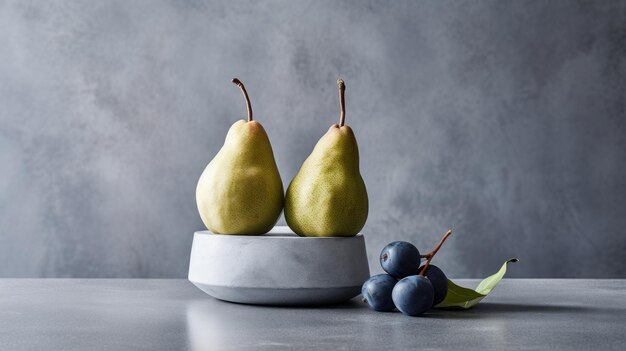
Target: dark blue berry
[(439, 281), (413, 295), (400, 259), (377, 292)]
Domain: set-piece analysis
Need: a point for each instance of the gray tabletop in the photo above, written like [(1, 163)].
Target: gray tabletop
[(78, 314)]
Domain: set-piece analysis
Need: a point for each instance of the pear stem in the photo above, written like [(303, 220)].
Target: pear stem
[(431, 254), (342, 101), (245, 96)]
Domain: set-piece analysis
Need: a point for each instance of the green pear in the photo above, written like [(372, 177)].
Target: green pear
[(240, 191), (327, 197)]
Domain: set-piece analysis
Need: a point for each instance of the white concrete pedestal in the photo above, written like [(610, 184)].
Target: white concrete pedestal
[(278, 268)]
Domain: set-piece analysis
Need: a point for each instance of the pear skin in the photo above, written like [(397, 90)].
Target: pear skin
[(327, 197), (240, 191)]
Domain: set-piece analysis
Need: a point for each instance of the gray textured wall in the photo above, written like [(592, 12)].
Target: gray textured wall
[(504, 120)]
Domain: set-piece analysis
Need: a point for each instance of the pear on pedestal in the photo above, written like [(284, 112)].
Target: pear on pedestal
[(327, 197), (240, 191)]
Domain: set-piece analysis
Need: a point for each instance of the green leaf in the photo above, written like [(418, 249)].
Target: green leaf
[(460, 297)]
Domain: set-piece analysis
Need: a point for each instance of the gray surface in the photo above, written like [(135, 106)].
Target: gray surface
[(174, 315), (279, 268), (504, 120)]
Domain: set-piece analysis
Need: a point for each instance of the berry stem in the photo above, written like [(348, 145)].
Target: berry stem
[(245, 96), (342, 101), (432, 253)]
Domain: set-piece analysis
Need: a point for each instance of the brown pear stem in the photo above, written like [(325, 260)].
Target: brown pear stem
[(432, 253), (245, 96), (342, 101)]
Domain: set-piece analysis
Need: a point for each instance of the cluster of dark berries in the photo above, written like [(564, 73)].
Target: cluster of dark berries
[(408, 286)]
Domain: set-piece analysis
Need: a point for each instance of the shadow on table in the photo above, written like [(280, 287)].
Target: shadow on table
[(346, 305), (508, 308), (488, 310)]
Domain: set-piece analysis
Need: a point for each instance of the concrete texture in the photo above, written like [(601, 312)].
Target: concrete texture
[(104, 314), (502, 120)]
